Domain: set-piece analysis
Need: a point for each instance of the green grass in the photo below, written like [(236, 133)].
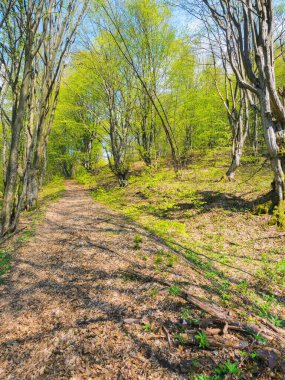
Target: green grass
[(52, 190), (4, 264), (85, 178)]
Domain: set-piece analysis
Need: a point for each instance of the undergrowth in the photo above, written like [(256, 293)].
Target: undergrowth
[(206, 221)]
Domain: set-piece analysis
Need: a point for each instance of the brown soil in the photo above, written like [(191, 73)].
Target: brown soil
[(69, 308)]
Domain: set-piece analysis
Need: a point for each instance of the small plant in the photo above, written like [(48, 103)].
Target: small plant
[(202, 339), (259, 338), (225, 296), (171, 260), (202, 377), (160, 252), (174, 290), (137, 242), (180, 339), (227, 368), (158, 260), (186, 315), (4, 263), (153, 292), (253, 355), (147, 327)]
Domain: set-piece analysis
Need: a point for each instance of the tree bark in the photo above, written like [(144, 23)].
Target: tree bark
[(8, 207)]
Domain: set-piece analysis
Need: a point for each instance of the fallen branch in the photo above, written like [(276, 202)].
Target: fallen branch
[(264, 330)]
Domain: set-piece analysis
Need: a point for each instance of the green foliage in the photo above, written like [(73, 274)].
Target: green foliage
[(227, 368), (84, 177), (52, 190), (222, 371), (174, 290), (186, 315), (180, 339), (4, 263), (259, 338), (105, 113), (202, 339), (202, 377), (263, 208), (147, 327), (278, 217), (137, 242)]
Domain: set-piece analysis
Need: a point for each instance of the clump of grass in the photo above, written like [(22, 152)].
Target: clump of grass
[(5, 259), (153, 292), (174, 290), (137, 242)]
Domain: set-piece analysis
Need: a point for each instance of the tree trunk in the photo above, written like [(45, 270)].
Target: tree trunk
[(240, 127), (32, 191), (255, 134), (12, 167), (269, 129), (236, 156)]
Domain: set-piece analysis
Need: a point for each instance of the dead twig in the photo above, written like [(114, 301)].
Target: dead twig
[(167, 335)]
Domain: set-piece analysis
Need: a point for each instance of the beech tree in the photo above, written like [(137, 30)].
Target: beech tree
[(5, 8), (122, 28), (35, 40), (20, 43), (249, 35), (235, 101), (59, 35)]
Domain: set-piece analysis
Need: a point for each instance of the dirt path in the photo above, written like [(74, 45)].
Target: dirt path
[(65, 306)]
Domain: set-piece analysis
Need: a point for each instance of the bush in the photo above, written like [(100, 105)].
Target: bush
[(83, 177)]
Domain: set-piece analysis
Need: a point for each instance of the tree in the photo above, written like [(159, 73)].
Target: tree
[(21, 43), (36, 38), (60, 33), (117, 24), (247, 28)]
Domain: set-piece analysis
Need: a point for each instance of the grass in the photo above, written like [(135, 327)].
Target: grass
[(52, 191), (213, 224), (5, 259), (83, 177)]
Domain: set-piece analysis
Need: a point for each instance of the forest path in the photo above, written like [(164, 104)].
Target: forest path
[(66, 304)]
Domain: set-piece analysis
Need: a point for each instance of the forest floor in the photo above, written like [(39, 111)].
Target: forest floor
[(94, 295)]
